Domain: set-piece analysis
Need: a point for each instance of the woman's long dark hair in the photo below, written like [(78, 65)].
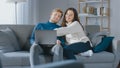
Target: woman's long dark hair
[(76, 18)]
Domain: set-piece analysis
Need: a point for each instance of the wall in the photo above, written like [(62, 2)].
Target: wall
[(44, 7), (40, 9), (115, 21)]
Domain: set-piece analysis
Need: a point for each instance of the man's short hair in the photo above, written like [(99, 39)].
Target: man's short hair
[(58, 10)]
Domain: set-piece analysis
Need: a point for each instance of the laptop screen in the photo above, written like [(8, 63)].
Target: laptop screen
[(45, 37)]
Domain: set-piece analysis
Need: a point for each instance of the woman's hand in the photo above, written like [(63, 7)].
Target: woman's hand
[(58, 42)]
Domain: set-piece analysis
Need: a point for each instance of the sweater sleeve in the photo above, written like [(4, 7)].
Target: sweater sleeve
[(72, 28), (32, 38)]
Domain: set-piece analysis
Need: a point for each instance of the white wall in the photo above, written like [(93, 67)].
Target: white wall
[(44, 7), (51, 4), (41, 9), (115, 18)]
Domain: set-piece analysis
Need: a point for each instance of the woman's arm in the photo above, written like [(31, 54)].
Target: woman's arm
[(72, 28)]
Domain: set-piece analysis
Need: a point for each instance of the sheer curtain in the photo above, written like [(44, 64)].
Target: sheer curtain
[(23, 13), (7, 12), (26, 12)]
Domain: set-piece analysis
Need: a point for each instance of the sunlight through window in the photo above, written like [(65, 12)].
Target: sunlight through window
[(7, 12)]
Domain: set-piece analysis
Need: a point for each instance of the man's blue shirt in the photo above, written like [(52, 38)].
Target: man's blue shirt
[(45, 26)]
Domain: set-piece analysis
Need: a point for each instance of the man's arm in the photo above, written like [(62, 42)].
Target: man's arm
[(32, 38)]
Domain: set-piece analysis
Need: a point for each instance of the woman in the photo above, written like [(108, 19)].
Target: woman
[(77, 41)]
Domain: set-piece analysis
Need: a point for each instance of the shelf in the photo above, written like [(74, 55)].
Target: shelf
[(98, 9), (89, 15), (95, 16), (105, 28), (92, 2), (83, 14)]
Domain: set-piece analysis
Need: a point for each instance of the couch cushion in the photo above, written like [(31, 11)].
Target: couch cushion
[(103, 45), (96, 38), (19, 58), (101, 57), (8, 41)]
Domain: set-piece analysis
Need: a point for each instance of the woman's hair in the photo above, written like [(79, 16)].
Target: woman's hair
[(58, 10), (76, 18)]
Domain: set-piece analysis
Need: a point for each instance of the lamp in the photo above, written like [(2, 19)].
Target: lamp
[(15, 2)]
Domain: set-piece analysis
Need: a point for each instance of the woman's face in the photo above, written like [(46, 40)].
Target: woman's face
[(69, 16)]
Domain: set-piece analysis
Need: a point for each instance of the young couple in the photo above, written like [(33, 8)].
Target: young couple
[(76, 41)]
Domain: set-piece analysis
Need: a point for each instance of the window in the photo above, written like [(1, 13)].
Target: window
[(7, 12)]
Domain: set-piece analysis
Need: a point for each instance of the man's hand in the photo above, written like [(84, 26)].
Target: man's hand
[(58, 41)]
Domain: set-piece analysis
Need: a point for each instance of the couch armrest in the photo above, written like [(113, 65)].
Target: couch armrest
[(115, 45), (35, 57), (0, 64), (1, 55)]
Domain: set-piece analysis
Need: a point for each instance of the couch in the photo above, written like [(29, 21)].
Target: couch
[(18, 58), (21, 58), (62, 64), (104, 59)]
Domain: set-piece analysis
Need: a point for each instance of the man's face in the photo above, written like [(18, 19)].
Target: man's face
[(55, 17)]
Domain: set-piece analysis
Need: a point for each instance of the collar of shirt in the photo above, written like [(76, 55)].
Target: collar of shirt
[(68, 23)]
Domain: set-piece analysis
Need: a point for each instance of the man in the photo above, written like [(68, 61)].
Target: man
[(36, 50)]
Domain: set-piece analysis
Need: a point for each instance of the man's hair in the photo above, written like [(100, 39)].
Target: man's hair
[(58, 10)]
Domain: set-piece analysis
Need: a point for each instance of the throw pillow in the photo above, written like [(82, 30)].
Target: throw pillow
[(103, 45), (8, 41), (97, 37)]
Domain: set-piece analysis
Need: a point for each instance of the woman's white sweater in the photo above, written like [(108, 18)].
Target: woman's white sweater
[(73, 33)]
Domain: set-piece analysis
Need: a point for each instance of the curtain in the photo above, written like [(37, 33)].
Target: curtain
[(7, 12), (26, 12)]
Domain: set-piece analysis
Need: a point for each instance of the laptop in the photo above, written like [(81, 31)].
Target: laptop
[(45, 37)]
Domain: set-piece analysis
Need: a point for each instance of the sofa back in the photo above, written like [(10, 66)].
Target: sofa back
[(22, 32), (91, 29)]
